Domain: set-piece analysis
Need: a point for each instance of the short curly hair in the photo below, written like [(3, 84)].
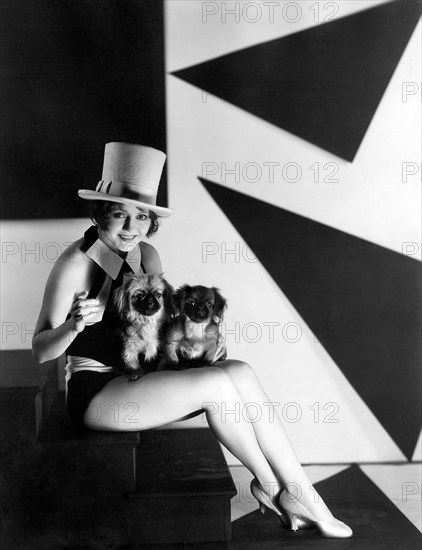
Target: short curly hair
[(100, 214)]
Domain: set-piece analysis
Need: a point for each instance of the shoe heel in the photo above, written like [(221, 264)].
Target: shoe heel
[(293, 523)]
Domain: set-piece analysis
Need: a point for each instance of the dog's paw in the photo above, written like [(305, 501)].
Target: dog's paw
[(133, 377)]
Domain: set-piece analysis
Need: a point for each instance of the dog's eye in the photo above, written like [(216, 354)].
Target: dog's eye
[(158, 294), (190, 302), (209, 305), (139, 294)]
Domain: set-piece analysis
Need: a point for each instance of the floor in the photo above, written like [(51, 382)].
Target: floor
[(381, 502)]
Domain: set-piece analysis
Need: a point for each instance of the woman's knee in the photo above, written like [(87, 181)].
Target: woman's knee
[(238, 370), (217, 382), (215, 376)]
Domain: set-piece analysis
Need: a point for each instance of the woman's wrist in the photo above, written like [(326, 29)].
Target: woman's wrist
[(69, 328), (51, 343)]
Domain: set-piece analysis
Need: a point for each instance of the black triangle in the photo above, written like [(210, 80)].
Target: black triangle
[(322, 84), (361, 301)]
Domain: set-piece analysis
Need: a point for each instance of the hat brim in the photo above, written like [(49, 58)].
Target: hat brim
[(90, 195)]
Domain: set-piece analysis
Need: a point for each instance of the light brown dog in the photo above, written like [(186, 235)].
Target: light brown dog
[(143, 304)]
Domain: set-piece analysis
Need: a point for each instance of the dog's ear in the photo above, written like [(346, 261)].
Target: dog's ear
[(180, 297), (220, 304), (168, 297), (120, 300)]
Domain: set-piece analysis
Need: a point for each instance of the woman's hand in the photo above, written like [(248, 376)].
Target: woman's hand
[(82, 310)]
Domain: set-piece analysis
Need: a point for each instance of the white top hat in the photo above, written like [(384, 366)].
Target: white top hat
[(131, 174)]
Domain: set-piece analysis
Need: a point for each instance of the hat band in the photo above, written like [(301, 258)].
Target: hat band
[(123, 190)]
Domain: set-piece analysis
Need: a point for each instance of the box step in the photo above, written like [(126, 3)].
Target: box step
[(92, 456), (142, 489), (183, 487), (27, 391)]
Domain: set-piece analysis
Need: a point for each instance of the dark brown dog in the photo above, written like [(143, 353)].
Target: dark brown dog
[(144, 305), (192, 337)]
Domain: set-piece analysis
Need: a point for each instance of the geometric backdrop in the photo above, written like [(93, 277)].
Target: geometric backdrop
[(362, 302), (80, 74), (242, 96), (322, 84)]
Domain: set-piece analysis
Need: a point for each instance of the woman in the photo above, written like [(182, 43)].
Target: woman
[(75, 319)]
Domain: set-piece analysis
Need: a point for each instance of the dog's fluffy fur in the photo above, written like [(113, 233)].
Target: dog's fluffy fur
[(143, 304), (192, 337)]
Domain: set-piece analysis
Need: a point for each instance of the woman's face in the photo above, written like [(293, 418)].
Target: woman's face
[(126, 227)]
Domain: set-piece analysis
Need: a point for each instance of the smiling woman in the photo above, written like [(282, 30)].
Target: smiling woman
[(103, 213), (77, 318)]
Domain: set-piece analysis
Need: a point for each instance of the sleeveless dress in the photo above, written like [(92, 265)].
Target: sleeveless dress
[(94, 351)]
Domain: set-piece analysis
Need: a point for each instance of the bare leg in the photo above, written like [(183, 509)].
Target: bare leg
[(162, 397), (273, 439)]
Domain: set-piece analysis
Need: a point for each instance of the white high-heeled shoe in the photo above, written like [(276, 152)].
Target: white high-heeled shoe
[(265, 502), (295, 511)]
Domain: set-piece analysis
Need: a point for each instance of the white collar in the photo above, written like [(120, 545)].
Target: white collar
[(111, 262)]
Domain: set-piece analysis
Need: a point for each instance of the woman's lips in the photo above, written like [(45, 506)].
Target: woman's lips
[(127, 238)]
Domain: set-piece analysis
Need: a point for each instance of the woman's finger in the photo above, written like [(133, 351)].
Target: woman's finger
[(85, 311), (90, 302), (81, 294), (90, 315), (81, 303)]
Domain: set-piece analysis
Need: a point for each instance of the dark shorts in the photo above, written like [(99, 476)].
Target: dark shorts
[(81, 388)]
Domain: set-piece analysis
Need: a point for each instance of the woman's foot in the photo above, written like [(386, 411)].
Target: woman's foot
[(265, 500), (271, 502), (296, 512)]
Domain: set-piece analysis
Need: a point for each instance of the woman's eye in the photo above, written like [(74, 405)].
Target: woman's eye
[(142, 217), (118, 215)]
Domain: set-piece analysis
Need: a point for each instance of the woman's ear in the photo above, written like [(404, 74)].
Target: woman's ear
[(220, 304)]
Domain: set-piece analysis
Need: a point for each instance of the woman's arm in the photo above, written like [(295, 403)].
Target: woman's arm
[(65, 292)]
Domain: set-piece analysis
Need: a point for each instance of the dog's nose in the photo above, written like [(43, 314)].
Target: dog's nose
[(151, 302), (202, 312), (149, 299)]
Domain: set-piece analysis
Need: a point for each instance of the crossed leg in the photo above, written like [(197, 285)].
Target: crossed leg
[(166, 396), (159, 398), (272, 437)]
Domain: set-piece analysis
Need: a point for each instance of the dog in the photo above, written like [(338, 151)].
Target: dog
[(193, 335), (144, 304)]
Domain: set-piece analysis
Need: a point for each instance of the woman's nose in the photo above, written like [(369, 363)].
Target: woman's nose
[(128, 223)]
